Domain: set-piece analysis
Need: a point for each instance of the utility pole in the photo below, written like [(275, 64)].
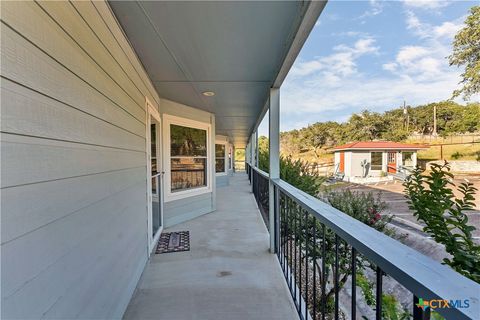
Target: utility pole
[(434, 120)]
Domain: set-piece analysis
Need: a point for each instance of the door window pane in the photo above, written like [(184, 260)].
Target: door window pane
[(376, 161), (219, 158), (188, 151)]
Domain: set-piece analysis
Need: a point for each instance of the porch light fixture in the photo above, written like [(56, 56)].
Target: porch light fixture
[(208, 93)]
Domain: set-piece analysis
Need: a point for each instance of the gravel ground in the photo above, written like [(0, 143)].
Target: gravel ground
[(392, 194)]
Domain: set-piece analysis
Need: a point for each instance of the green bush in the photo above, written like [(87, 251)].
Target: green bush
[(391, 309), (367, 289), (457, 155), (364, 207), (432, 201), (295, 172)]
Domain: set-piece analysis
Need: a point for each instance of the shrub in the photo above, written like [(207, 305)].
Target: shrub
[(367, 289), (295, 172), (432, 201), (364, 207), (391, 309), (457, 155)]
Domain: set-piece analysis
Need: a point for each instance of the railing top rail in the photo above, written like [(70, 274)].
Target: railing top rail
[(418, 273), (261, 172)]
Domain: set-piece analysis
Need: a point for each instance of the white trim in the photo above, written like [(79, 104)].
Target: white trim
[(225, 154), (167, 121), (151, 111)]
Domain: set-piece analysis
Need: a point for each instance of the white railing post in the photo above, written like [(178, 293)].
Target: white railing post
[(274, 159)]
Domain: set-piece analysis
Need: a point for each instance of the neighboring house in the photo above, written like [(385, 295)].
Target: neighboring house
[(365, 159)]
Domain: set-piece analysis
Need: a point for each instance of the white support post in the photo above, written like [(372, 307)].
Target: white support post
[(252, 156), (253, 149), (274, 161), (256, 149)]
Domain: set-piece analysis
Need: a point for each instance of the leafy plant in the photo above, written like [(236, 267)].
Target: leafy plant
[(457, 155), (436, 316), (367, 289), (295, 172), (362, 206), (391, 309), (433, 202)]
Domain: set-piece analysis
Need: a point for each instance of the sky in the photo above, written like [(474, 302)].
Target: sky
[(372, 55)]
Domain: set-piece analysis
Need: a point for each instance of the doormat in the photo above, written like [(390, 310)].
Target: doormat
[(173, 242)]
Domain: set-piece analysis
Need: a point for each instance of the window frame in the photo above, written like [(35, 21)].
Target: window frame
[(371, 162), (225, 157), (184, 122)]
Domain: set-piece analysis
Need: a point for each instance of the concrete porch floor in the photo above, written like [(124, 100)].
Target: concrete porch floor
[(227, 274)]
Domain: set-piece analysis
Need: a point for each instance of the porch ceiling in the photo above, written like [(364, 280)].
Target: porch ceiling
[(237, 49)]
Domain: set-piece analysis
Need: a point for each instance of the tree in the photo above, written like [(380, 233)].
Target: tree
[(466, 52), (319, 135)]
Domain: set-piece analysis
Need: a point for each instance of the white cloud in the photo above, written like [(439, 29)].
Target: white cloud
[(334, 86), (376, 7), (339, 64), (423, 30), (447, 29), (392, 66), (427, 4), (355, 93)]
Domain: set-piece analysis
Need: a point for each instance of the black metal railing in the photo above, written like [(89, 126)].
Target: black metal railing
[(323, 251), (260, 187), (325, 254)]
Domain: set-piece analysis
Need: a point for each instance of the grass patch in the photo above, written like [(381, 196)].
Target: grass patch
[(469, 151)]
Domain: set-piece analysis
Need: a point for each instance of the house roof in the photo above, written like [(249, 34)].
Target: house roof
[(368, 145)]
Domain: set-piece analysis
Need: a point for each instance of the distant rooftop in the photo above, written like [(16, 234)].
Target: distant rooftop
[(368, 145)]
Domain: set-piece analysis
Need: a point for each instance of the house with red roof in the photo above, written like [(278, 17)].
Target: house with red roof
[(370, 159)]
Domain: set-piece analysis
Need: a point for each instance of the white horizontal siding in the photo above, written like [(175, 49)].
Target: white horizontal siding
[(73, 233)]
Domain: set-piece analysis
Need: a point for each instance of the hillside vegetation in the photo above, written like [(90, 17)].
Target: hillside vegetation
[(311, 143)]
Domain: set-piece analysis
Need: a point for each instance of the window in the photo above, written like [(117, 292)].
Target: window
[(220, 158), (187, 157), (376, 160), (407, 159)]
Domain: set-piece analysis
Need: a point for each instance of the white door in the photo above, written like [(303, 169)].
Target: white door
[(155, 177)]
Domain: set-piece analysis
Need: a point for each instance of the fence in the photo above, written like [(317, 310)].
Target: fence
[(460, 138)]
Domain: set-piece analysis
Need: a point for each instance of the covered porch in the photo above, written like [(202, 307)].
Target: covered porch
[(228, 272)]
